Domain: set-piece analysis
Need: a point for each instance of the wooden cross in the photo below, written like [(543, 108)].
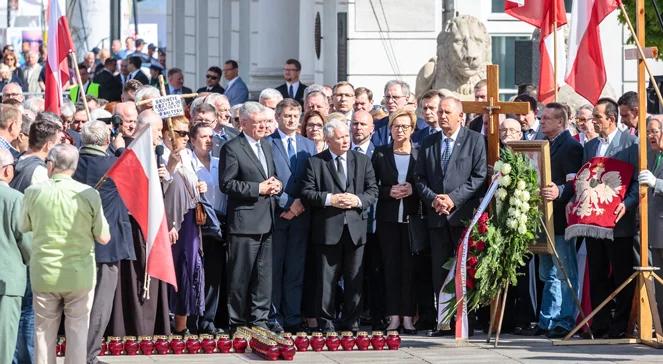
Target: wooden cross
[(494, 107)]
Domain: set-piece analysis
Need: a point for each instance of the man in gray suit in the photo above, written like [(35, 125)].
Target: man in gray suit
[(15, 247), (236, 90), (613, 255), (450, 173), (653, 178)]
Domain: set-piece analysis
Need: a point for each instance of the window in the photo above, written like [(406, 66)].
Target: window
[(498, 5), (503, 49)]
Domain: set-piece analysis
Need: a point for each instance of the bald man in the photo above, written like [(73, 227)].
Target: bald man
[(12, 92), (510, 130)]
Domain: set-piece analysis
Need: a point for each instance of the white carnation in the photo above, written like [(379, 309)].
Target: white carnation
[(522, 229), (524, 195), (512, 224), (522, 219), (506, 169), (505, 181), (501, 194), (525, 206), (521, 185), (514, 201), (498, 166)]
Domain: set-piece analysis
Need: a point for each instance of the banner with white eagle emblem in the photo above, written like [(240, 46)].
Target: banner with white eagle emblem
[(600, 186)]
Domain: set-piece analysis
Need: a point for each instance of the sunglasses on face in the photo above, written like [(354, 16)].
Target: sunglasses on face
[(181, 133), (213, 77)]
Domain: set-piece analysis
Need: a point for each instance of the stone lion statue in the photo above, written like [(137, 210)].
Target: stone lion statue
[(463, 50)]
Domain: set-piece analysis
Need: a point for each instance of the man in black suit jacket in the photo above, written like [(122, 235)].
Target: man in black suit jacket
[(339, 186), (212, 80), (247, 176), (292, 88), (430, 103), (110, 87), (451, 171), (557, 313), (135, 73)]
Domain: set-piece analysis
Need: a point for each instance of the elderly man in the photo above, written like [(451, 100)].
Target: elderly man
[(222, 106), (63, 213), (12, 92), (146, 93), (128, 114), (396, 94), (15, 257), (339, 186), (270, 97), (510, 130), (176, 82), (31, 72), (247, 176), (450, 172), (10, 128), (92, 165), (585, 122), (316, 100)]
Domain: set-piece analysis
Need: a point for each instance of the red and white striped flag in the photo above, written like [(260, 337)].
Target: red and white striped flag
[(137, 180), (542, 14), (59, 45), (585, 67)]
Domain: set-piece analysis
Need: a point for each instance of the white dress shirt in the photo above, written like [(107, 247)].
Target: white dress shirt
[(254, 146), (211, 177), (295, 88), (284, 140), (452, 141), (363, 146)]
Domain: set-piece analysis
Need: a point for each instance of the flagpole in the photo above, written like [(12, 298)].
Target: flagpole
[(555, 48), (81, 90)]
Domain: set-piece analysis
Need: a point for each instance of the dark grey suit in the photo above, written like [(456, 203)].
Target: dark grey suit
[(656, 219), (339, 235), (249, 219), (463, 181), (606, 255)]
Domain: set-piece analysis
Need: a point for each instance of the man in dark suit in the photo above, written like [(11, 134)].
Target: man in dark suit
[(557, 315), (396, 95), (451, 171), (212, 78), (247, 176), (135, 73), (529, 123), (110, 87), (292, 88), (176, 83), (339, 186), (616, 255), (430, 103), (93, 163), (291, 227), (475, 121), (236, 89)]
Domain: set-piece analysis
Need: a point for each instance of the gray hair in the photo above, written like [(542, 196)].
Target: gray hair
[(35, 104), (64, 157), (270, 94), (148, 116), (331, 126), (250, 107), (405, 88), (6, 158), (95, 133), (214, 97), (28, 119), (99, 113), (585, 107), (312, 88), (67, 109), (49, 116), (146, 93)]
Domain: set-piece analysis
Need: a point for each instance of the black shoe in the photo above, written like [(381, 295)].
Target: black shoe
[(294, 329), (557, 332), (213, 331), (532, 331), (439, 333), (275, 327), (405, 331)]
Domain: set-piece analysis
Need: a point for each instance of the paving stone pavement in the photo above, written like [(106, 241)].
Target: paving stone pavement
[(512, 349)]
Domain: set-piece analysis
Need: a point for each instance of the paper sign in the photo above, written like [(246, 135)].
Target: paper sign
[(168, 106)]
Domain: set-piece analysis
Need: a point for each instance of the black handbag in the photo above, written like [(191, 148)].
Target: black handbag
[(418, 231)]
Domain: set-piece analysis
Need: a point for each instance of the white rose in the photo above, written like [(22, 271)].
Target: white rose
[(505, 181), (522, 219), (525, 206), (521, 185), (516, 194), (524, 195), (512, 224), (511, 211), (514, 201), (501, 194), (506, 169), (498, 166), (522, 229)]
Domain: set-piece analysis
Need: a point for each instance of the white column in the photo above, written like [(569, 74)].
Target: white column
[(91, 28)]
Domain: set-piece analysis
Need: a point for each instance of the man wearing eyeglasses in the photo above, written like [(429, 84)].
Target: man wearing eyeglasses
[(212, 80), (14, 259), (292, 88), (396, 96)]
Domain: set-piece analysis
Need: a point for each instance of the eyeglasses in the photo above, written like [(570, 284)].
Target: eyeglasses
[(509, 131), (213, 77), (401, 127), (181, 133), (394, 98)]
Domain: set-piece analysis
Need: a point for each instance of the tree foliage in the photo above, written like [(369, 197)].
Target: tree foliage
[(653, 28)]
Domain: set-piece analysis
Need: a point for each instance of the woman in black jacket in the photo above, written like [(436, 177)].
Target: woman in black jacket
[(394, 172)]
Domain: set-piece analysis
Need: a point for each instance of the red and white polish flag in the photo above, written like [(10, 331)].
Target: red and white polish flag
[(542, 14), (585, 67), (137, 180), (59, 46)]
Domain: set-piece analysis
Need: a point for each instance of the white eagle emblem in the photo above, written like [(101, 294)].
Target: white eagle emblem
[(594, 187)]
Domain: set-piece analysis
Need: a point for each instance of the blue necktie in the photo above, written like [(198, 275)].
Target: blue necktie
[(292, 155), (291, 92), (446, 153)]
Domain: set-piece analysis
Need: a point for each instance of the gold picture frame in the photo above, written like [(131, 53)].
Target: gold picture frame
[(538, 152)]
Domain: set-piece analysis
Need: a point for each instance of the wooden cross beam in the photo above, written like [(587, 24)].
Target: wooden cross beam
[(494, 107)]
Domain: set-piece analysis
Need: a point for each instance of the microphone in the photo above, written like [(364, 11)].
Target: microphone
[(159, 152)]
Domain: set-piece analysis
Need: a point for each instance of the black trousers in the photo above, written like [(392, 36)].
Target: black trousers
[(398, 268), (603, 256), (333, 261), (443, 241), (214, 263), (373, 290), (249, 279)]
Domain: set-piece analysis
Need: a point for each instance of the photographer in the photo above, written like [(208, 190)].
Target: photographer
[(123, 125)]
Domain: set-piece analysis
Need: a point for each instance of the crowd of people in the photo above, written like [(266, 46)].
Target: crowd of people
[(311, 195)]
